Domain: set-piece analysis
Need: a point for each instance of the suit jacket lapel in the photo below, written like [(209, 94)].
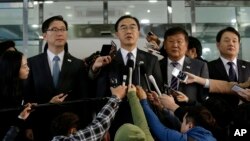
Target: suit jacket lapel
[(219, 66), (47, 71), (241, 71), (65, 67)]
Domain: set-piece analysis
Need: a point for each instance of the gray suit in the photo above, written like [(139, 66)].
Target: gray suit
[(195, 92)]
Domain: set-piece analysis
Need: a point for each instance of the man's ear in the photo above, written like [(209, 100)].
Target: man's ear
[(72, 131)]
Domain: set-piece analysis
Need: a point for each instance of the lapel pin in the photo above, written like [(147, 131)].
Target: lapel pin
[(243, 67), (188, 67), (69, 60)]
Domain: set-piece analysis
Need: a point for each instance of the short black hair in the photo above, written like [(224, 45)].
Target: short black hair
[(126, 17), (47, 22), (227, 29), (176, 30), (195, 43), (5, 45)]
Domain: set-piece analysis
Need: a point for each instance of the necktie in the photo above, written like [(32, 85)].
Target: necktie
[(231, 73), (56, 70), (129, 56), (174, 80)]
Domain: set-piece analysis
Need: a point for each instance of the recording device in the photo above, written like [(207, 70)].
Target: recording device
[(139, 71), (143, 71), (109, 49), (168, 90), (113, 82), (152, 80), (180, 75), (130, 65), (237, 88), (124, 79)]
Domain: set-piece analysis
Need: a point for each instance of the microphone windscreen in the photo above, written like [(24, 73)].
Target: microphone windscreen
[(130, 63)]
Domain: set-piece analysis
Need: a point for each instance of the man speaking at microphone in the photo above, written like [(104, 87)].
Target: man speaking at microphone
[(104, 69)]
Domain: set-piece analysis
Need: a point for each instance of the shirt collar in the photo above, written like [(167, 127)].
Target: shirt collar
[(181, 61), (225, 61), (52, 55), (125, 52)]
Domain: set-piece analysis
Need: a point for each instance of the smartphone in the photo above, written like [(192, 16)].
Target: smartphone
[(105, 49), (236, 88), (180, 75)]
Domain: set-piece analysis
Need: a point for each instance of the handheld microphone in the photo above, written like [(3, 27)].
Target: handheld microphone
[(139, 71), (130, 65), (143, 70), (152, 80), (124, 78)]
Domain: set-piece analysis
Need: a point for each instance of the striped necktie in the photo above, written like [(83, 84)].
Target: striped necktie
[(174, 80)]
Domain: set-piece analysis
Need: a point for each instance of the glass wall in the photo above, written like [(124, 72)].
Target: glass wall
[(95, 20)]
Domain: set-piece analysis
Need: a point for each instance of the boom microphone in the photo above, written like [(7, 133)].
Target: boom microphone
[(152, 80)]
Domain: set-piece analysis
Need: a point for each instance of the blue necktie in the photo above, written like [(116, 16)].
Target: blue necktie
[(231, 73), (56, 70), (174, 80)]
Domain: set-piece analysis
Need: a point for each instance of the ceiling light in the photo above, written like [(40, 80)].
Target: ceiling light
[(148, 11), (49, 2), (127, 13), (152, 1), (145, 21)]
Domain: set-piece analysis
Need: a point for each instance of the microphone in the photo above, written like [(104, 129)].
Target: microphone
[(143, 70), (152, 80), (139, 71), (124, 78), (130, 65)]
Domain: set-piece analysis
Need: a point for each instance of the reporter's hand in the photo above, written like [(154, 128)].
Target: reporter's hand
[(100, 62), (26, 111), (154, 99), (58, 98), (119, 91), (168, 102), (244, 94), (141, 94), (131, 88), (181, 97)]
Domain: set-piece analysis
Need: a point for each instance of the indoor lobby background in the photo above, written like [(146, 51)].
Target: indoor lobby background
[(91, 23)]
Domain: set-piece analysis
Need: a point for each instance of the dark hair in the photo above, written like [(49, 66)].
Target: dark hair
[(195, 43), (62, 123), (10, 83), (126, 17), (47, 22), (200, 116), (5, 45), (227, 29), (176, 30)]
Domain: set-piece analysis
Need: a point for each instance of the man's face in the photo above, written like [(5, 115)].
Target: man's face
[(56, 35), (128, 33), (175, 46), (229, 45)]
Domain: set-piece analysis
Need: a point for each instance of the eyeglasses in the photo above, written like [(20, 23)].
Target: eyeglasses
[(125, 28), (56, 30), (179, 42)]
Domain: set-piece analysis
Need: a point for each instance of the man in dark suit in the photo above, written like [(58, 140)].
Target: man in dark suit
[(54, 82), (108, 71), (228, 44), (176, 45)]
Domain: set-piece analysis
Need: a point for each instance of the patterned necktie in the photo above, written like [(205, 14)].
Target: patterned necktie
[(174, 80), (232, 74), (56, 70)]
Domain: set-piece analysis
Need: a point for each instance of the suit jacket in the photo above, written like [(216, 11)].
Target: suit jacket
[(40, 89), (72, 79), (115, 71), (218, 71), (195, 92)]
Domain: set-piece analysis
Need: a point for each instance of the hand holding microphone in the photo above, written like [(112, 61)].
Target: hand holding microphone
[(152, 80)]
